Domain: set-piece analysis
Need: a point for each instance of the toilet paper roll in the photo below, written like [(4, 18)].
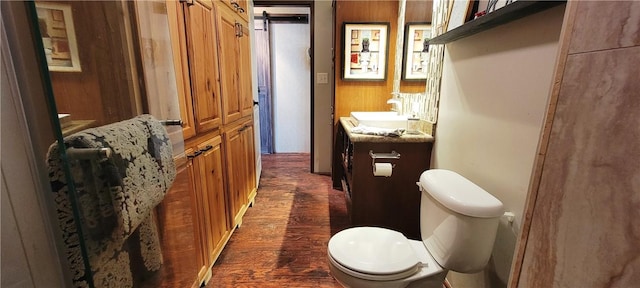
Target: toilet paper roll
[(382, 169)]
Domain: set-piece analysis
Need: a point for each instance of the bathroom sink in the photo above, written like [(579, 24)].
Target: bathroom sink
[(380, 119)]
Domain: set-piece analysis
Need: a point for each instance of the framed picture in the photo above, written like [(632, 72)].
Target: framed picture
[(416, 51), (365, 49), (494, 5), (460, 12), (58, 36)]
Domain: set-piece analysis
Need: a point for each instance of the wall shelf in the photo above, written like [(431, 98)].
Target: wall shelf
[(506, 14)]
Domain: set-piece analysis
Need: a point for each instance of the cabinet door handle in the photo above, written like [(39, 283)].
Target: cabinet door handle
[(238, 29), (206, 148), (172, 122), (194, 155), (189, 2)]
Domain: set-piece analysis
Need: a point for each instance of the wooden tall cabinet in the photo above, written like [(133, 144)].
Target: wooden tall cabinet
[(210, 41)]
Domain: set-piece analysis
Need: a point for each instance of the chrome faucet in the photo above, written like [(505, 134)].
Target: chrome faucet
[(396, 105)]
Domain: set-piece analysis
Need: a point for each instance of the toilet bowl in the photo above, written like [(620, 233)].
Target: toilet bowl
[(458, 225)]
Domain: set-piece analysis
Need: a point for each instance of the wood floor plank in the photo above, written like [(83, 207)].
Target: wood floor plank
[(283, 239)]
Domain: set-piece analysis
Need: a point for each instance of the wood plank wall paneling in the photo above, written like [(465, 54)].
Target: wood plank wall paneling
[(102, 91), (373, 95)]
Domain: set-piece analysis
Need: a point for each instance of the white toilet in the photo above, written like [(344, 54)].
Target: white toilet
[(458, 224)]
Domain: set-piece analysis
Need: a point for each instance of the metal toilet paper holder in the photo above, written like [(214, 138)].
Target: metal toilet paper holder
[(392, 155)]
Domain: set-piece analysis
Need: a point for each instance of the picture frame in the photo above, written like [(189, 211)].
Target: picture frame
[(460, 12), (416, 51), (55, 21), (365, 49), (493, 5)]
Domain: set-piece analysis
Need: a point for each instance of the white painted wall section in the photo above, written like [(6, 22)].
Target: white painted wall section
[(495, 89)]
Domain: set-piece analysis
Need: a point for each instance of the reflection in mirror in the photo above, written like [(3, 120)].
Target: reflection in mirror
[(423, 105)]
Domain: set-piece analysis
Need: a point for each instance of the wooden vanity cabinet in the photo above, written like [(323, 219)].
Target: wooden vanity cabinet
[(389, 202)]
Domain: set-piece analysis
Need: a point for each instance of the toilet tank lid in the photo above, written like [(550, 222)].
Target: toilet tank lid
[(459, 194)]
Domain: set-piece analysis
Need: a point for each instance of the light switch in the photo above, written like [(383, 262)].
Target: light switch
[(323, 78)]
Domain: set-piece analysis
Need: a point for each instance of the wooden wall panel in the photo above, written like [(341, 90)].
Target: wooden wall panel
[(373, 95)]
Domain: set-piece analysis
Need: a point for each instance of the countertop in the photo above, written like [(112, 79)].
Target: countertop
[(347, 123)]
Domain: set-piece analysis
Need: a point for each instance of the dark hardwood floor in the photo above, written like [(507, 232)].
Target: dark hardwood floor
[(283, 238)]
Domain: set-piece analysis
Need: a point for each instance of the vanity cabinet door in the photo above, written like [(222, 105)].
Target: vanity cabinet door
[(203, 63), (235, 65), (246, 87), (235, 166), (240, 7), (240, 161), (196, 64), (228, 30), (199, 221), (213, 196)]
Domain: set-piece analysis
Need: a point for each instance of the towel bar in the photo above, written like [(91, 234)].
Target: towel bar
[(392, 155), (88, 153)]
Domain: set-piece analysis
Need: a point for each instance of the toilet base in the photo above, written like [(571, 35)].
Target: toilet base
[(419, 279)]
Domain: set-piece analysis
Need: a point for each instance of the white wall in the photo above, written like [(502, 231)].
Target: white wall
[(291, 68), (495, 88)]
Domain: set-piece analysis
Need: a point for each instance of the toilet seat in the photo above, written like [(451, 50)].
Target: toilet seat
[(373, 253)]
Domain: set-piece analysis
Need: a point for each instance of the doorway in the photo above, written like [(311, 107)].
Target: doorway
[(283, 51)]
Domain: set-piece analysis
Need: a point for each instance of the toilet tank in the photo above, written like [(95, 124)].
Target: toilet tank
[(458, 220)]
